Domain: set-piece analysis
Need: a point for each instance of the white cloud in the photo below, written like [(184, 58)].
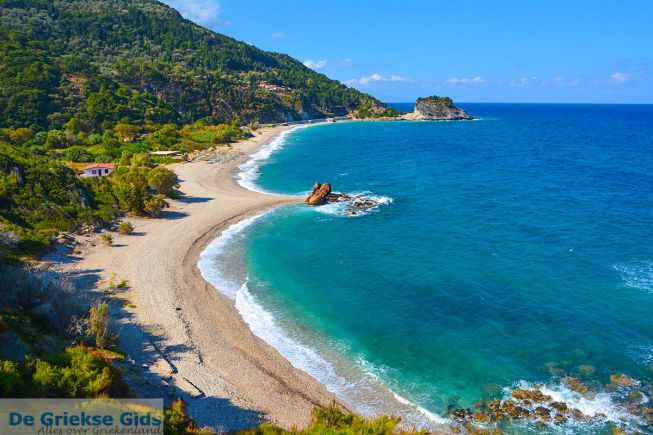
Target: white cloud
[(562, 81), (535, 81), (474, 80), (376, 77), (620, 77), (278, 35), (204, 12), (523, 81), (315, 64)]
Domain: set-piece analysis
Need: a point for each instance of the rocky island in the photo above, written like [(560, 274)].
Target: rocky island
[(436, 108)]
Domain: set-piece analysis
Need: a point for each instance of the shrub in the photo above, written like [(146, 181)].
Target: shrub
[(177, 422), (332, 420), (106, 239), (77, 372), (12, 381), (98, 325), (78, 154), (125, 228), (154, 205)]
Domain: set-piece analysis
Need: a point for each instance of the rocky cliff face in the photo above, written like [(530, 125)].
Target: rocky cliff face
[(437, 108)]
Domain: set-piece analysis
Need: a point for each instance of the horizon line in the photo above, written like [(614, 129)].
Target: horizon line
[(533, 102)]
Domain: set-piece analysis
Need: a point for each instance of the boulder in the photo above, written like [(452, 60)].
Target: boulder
[(534, 395), (319, 194)]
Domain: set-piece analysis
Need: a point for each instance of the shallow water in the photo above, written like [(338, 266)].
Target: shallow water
[(511, 249)]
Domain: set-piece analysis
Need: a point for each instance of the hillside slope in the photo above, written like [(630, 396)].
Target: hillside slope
[(139, 61)]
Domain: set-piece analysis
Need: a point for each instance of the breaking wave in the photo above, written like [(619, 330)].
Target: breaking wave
[(249, 171), (362, 387), (347, 209)]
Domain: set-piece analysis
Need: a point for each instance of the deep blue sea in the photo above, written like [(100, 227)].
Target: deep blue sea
[(512, 250)]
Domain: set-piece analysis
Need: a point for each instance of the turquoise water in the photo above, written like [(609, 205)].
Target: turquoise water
[(514, 248)]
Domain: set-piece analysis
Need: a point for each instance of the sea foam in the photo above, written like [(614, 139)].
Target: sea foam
[(636, 274), (364, 389), (600, 408), (249, 171), (341, 208)]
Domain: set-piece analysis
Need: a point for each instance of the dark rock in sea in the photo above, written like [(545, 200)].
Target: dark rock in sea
[(437, 109), (319, 194), (460, 413)]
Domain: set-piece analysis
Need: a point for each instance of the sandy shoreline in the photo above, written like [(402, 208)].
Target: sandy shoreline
[(181, 334)]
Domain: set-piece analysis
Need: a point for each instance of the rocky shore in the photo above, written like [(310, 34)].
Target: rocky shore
[(538, 404)]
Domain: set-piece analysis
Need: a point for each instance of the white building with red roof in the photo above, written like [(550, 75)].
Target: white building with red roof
[(99, 169)]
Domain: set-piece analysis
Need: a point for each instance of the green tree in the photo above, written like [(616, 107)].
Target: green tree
[(127, 132), (56, 139), (163, 180), (19, 136), (76, 125), (142, 160), (125, 158), (131, 188), (78, 154), (155, 205), (98, 325)]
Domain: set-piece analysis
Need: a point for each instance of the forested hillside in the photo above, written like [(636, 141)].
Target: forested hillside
[(94, 63)]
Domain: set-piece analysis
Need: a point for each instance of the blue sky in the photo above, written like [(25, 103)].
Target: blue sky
[(596, 51)]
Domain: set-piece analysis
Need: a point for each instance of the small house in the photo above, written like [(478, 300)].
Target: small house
[(99, 170)]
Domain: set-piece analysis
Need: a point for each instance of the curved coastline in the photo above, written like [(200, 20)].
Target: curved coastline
[(190, 338), (263, 324), (600, 409), (181, 334)]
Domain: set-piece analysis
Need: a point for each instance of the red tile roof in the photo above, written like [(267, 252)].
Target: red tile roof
[(101, 166)]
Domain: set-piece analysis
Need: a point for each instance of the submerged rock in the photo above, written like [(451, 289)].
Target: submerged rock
[(622, 380), (574, 384), (437, 109)]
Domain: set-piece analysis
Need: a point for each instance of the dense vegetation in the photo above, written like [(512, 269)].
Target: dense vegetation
[(434, 99), (332, 420), (39, 197), (87, 65)]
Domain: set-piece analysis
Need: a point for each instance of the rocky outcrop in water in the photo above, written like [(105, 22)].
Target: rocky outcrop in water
[(321, 194), (437, 109), (628, 397)]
